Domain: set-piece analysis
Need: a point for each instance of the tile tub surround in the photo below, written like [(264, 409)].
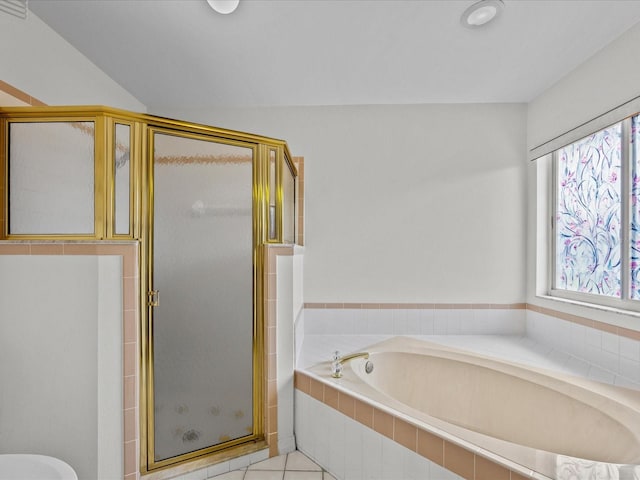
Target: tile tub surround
[(351, 450), (333, 426), (129, 253), (583, 346)]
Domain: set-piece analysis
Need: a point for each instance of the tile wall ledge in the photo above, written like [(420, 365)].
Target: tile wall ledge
[(412, 306), (588, 322)]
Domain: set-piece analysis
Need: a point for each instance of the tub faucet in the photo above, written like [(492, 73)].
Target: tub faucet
[(339, 361)]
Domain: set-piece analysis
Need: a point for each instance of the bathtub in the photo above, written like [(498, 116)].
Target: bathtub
[(537, 423)]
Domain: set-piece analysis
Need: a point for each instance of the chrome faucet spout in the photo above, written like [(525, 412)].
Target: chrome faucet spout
[(339, 361)]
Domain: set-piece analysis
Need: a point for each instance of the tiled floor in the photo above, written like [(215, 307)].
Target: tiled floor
[(293, 466)]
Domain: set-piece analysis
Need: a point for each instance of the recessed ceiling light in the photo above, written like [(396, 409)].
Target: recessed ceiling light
[(224, 6), (481, 13)]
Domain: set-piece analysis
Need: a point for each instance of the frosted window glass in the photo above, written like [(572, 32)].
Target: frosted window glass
[(122, 172), (203, 268), (51, 178), (635, 209), (288, 205), (588, 213)]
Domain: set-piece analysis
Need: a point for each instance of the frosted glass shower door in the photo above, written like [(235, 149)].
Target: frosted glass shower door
[(202, 243)]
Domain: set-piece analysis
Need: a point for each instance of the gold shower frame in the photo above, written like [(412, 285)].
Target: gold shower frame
[(142, 127)]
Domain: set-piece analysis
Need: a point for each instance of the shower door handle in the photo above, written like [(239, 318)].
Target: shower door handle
[(153, 298)]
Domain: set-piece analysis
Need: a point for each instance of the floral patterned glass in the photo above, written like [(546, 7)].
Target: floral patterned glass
[(635, 209), (588, 214)]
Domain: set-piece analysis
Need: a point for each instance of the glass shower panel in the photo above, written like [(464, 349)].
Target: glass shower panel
[(51, 178), (122, 176), (288, 205), (273, 189), (203, 269)]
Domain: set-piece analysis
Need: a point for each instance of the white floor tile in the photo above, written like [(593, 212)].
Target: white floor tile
[(275, 463), (299, 461), (328, 476), (291, 475), (235, 475), (264, 475)]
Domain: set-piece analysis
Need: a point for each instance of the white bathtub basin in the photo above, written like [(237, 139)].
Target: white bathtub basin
[(34, 467), (547, 422)]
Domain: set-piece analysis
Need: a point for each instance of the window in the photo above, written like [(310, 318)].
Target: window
[(596, 228)]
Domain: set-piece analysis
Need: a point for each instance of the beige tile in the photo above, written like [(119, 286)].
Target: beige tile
[(383, 423), (272, 260), (458, 460), (405, 434), (272, 419), (14, 249), (346, 405), (129, 293), (487, 470), (272, 440), (264, 475), (364, 413), (272, 367), (431, 447), (271, 288), (129, 424), (275, 463), (290, 475), (626, 332), (302, 382), (130, 327), (47, 249), (129, 392), (272, 340), (130, 357), (331, 397), (272, 393), (235, 475), (328, 476), (80, 249), (130, 464), (299, 461), (129, 262), (271, 313), (316, 389)]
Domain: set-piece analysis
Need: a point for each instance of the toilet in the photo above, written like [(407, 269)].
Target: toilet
[(34, 467)]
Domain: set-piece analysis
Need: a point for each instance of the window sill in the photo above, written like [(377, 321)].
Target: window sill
[(591, 306)]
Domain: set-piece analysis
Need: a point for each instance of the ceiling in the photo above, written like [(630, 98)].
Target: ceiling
[(180, 53)]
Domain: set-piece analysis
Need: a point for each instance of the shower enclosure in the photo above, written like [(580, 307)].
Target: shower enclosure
[(202, 202)]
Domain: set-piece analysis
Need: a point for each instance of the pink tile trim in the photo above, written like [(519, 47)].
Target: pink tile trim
[(131, 341), (605, 327), (455, 457), (270, 360), (20, 95), (423, 306)]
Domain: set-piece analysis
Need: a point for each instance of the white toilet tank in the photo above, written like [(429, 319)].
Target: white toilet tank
[(34, 467)]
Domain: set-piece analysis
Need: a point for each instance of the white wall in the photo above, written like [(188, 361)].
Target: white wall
[(38, 61), (603, 82), (404, 203), (61, 360), (609, 78)]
